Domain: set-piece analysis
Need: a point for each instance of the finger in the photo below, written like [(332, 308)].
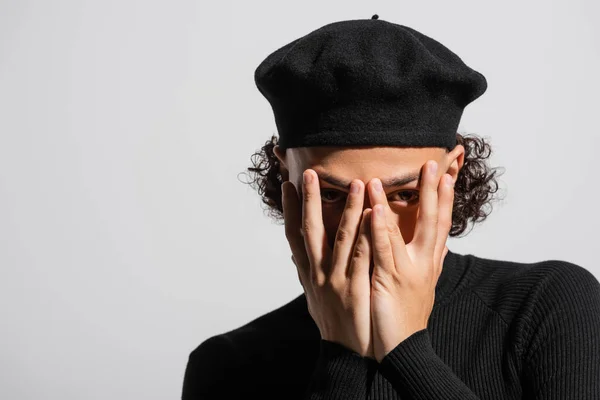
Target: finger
[(377, 196), (315, 239), (301, 276), (347, 231), (382, 249), (293, 222), (427, 220), (442, 261), (360, 260), (446, 203)]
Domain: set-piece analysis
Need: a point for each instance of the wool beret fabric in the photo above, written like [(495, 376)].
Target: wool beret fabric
[(367, 82)]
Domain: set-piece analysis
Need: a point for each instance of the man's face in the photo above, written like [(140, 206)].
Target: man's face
[(343, 164)]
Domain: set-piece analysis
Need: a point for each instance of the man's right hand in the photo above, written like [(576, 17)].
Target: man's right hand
[(336, 281)]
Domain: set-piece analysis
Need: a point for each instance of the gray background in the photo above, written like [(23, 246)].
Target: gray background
[(126, 235)]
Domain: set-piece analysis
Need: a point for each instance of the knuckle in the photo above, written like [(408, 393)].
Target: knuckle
[(317, 279), (306, 227), (430, 215), (360, 252), (307, 195), (342, 235), (323, 282), (382, 248), (335, 283), (393, 229)]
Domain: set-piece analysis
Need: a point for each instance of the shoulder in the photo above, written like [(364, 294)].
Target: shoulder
[(233, 356), (207, 367), (552, 281), (500, 280), (561, 314), (283, 322), (521, 291), (558, 288), (552, 313)]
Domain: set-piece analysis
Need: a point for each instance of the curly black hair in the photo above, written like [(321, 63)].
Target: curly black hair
[(473, 190)]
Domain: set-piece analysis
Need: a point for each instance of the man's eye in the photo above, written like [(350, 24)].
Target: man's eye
[(334, 196), (410, 196)]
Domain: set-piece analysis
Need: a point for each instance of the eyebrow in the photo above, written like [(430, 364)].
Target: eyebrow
[(387, 183)]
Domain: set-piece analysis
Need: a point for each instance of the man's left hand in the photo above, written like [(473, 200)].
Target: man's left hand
[(405, 275)]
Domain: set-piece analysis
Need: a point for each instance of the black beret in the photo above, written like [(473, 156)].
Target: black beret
[(367, 82)]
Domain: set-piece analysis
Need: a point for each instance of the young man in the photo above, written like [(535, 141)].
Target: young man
[(371, 178)]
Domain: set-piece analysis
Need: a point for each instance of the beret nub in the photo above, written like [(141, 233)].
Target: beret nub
[(367, 82)]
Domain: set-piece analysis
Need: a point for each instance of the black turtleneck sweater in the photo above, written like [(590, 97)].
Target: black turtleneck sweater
[(498, 330)]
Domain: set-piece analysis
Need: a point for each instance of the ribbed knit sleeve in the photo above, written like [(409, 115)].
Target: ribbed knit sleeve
[(535, 328), (340, 373), (562, 358), (416, 371)]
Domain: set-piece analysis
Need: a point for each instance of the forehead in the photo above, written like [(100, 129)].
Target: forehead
[(364, 160)]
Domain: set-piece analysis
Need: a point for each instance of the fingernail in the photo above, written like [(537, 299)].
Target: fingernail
[(379, 210), (307, 177), (377, 184), (433, 167), (449, 181)]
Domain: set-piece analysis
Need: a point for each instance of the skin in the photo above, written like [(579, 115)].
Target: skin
[(369, 277), (365, 163)]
